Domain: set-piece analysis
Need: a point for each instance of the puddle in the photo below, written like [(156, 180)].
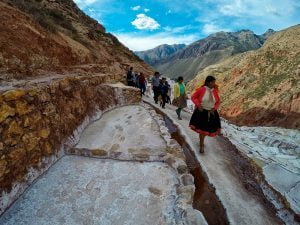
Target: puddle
[(205, 198)]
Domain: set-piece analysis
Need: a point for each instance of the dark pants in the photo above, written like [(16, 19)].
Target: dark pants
[(156, 91), (130, 83), (178, 112), (164, 100), (168, 99), (142, 88)]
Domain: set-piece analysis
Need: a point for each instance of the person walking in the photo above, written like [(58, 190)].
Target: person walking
[(130, 77), (180, 96), (168, 97), (142, 83), (163, 91), (155, 86), (136, 80), (205, 119)]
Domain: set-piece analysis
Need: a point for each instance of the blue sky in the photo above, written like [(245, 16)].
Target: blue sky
[(145, 24)]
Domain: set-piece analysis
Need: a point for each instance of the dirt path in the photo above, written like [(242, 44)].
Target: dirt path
[(242, 206)]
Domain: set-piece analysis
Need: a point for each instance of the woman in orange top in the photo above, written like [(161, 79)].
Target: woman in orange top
[(205, 119)]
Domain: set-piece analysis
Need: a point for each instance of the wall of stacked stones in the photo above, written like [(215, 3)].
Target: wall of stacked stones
[(38, 121)]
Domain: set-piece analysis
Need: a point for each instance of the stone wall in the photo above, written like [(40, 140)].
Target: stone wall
[(39, 122)]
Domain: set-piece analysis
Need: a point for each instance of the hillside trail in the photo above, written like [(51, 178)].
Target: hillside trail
[(241, 205)]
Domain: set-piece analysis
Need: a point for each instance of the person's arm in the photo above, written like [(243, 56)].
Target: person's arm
[(197, 96), (176, 91), (217, 98)]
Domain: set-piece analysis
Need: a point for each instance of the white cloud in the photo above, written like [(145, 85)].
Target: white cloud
[(137, 42), (210, 28), (255, 8), (146, 10), (143, 22), (181, 29), (136, 8), (83, 3)]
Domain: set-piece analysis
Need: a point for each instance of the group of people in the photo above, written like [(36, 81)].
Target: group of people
[(205, 119), (137, 80), (161, 89)]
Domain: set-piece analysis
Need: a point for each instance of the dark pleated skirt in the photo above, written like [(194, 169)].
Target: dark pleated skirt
[(206, 123)]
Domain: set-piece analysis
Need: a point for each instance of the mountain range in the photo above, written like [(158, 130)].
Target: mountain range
[(189, 60), (161, 52), (260, 87)]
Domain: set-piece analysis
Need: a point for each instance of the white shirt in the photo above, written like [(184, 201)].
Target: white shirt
[(208, 100)]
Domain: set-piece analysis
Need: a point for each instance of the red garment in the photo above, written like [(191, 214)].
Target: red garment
[(199, 93), (142, 79)]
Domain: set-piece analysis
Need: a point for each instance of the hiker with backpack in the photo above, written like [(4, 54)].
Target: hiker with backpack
[(142, 83), (155, 86), (130, 77)]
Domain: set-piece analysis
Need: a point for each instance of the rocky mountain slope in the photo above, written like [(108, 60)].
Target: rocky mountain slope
[(161, 52), (261, 87), (39, 37), (208, 51)]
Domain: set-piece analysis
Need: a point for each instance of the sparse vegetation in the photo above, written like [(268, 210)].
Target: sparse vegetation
[(266, 83), (50, 19)]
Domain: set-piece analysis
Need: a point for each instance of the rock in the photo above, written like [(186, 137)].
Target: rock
[(36, 116), (17, 156), (170, 161), (26, 122), (30, 141), (187, 192), (155, 191), (50, 109), (182, 169), (32, 119), (29, 98), (14, 128), (141, 156), (187, 179), (65, 85), (195, 217), (48, 148), (13, 94), (44, 97), (44, 133), (114, 147), (6, 111), (11, 141), (22, 108), (3, 165), (98, 152), (175, 150)]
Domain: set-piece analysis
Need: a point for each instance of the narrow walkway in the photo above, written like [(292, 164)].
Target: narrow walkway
[(243, 207)]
